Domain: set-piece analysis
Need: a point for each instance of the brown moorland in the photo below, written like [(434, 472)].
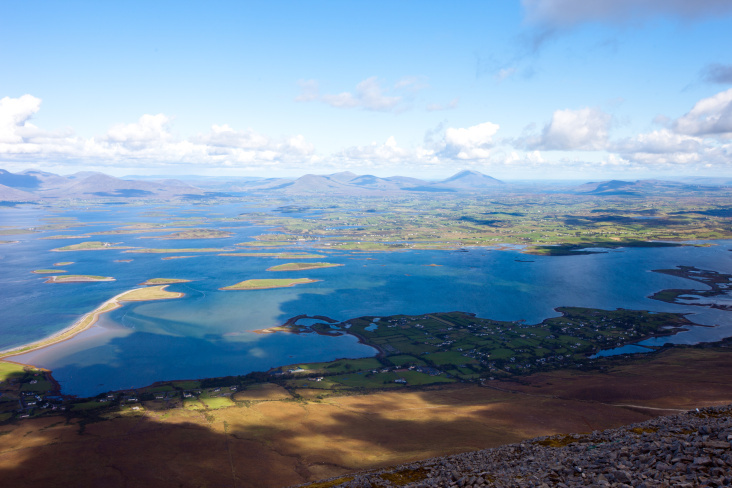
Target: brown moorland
[(284, 442), (675, 379)]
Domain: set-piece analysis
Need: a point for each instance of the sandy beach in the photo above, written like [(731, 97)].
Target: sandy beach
[(91, 318)]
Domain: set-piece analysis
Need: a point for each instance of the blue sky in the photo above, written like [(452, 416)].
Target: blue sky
[(515, 89)]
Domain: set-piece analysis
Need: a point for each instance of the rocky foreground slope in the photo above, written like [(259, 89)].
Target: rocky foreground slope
[(692, 449)]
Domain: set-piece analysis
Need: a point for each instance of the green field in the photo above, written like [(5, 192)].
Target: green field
[(216, 402), (11, 370), (41, 383), (187, 384), (90, 405), (470, 347), (559, 224), (339, 366)]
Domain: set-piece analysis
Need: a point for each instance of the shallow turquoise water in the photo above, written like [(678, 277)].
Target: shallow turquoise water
[(208, 332)]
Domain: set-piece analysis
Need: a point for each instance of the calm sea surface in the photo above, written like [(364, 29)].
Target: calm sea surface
[(208, 332)]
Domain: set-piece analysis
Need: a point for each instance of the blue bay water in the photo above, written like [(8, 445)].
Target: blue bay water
[(208, 332)]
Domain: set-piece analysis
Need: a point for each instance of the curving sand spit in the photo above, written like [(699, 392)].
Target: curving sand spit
[(89, 319)]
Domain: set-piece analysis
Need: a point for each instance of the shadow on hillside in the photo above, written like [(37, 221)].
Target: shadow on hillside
[(276, 444), (282, 443), (140, 452)]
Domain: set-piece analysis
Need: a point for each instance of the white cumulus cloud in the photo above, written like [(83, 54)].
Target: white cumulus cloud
[(585, 129), (659, 142), (148, 141), (472, 142), (14, 116), (388, 151), (149, 128), (709, 116)]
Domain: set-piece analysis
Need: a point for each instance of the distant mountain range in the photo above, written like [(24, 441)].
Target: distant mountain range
[(33, 185), (353, 184), (36, 185), (642, 187)]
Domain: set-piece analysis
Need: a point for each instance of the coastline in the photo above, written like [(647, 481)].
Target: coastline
[(287, 327), (84, 323)]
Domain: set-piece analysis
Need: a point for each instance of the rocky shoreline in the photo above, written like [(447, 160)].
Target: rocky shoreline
[(692, 449)]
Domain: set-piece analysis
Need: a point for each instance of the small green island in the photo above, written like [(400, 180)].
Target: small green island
[(137, 229), (69, 236), (168, 250), (12, 232), (278, 255), (63, 263), (266, 284), (77, 279), (89, 246), (264, 244), (144, 294), (301, 266), (49, 271), (194, 234), (163, 281), (175, 257)]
